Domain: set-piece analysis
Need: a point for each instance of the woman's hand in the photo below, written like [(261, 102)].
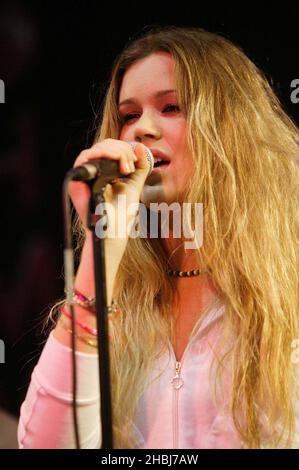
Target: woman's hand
[(133, 164)]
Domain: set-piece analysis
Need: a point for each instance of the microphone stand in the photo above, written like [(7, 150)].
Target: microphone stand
[(97, 197), (108, 173)]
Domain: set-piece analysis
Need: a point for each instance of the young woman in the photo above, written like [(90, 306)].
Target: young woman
[(200, 360)]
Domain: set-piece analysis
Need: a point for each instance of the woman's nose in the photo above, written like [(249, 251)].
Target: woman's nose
[(146, 127)]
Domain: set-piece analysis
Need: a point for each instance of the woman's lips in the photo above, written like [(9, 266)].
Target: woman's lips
[(161, 166)]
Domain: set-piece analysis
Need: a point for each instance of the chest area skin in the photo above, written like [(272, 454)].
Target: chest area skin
[(182, 334), (190, 304)]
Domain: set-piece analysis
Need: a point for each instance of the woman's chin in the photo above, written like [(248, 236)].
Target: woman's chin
[(156, 195)]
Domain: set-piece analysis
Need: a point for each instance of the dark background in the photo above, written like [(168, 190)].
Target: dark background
[(55, 61)]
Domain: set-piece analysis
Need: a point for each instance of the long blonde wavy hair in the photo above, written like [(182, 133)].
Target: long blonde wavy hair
[(246, 176)]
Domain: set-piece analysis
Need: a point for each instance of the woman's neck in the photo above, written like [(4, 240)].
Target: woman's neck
[(193, 294), (179, 258)]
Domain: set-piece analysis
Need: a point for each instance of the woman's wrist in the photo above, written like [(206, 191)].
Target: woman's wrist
[(63, 333), (84, 280)]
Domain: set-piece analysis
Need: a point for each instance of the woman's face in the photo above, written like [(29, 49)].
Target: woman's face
[(149, 111)]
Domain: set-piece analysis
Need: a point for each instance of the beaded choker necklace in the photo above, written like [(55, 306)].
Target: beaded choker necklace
[(193, 272)]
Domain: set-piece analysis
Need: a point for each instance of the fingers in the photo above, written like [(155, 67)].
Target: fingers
[(112, 149), (142, 157), (132, 158)]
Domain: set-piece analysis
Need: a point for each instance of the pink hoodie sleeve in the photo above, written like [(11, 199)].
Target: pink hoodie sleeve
[(46, 419)]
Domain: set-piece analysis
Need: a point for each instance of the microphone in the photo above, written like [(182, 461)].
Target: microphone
[(104, 167)]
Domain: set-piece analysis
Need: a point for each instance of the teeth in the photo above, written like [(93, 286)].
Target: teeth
[(157, 159)]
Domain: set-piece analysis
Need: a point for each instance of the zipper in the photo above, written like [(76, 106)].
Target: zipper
[(177, 383)]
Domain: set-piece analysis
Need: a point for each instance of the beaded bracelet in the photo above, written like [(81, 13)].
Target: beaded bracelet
[(89, 303), (86, 302), (88, 341), (91, 331), (88, 329)]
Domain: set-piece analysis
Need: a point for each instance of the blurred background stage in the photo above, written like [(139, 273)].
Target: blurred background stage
[(55, 60)]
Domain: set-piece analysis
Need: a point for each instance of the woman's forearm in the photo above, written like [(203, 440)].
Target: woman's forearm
[(84, 282)]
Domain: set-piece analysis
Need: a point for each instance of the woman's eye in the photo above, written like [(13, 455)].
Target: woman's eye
[(172, 107), (128, 117), (168, 108)]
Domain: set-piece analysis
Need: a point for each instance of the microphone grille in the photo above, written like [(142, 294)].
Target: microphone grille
[(149, 155)]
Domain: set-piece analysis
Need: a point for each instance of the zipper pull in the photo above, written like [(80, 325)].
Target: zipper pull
[(177, 381)]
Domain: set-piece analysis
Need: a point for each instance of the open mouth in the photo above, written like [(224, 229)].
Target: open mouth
[(161, 163)]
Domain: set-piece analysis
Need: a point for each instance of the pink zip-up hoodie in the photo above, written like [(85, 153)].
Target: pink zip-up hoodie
[(176, 411)]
